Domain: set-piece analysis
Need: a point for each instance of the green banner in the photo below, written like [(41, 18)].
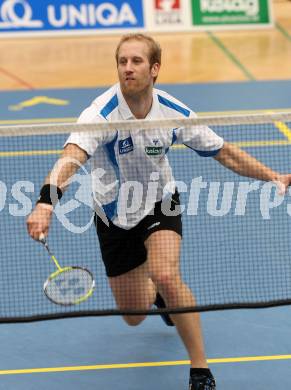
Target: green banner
[(230, 12)]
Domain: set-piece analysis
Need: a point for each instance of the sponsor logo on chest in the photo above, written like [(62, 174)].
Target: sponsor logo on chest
[(153, 150), (125, 145)]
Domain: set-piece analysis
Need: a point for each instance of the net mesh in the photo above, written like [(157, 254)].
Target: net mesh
[(235, 250)]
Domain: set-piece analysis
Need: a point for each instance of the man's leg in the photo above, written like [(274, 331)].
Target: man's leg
[(134, 290), (163, 248), (124, 257)]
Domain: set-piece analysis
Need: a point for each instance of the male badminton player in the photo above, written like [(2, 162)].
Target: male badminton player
[(140, 248)]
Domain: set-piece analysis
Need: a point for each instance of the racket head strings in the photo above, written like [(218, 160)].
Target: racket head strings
[(69, 286)]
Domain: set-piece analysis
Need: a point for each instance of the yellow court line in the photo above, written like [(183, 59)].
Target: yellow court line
[(74, 119), (30, 153), (247, 144), (243, 144), (142, 365), (250, 359), (252, 144), (36, 120), (241, 112), (284, 129)]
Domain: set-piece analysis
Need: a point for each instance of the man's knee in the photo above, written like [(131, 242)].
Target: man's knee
[(166, 279), (133, 320)]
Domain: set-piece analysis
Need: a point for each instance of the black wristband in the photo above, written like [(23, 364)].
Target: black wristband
[(50, 194)]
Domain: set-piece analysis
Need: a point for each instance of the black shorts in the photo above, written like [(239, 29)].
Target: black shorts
[(123, 250)]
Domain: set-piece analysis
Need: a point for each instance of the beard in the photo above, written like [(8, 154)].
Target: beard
[(134, 88)]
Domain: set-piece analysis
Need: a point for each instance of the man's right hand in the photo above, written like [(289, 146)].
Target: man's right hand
[(39, 220)]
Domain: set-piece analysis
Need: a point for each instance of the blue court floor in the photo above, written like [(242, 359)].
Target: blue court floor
[(246, 349)]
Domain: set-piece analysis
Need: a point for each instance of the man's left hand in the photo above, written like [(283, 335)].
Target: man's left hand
[(282, 182)]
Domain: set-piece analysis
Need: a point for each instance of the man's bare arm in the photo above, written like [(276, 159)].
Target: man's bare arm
[(242, 163), (72, 158)]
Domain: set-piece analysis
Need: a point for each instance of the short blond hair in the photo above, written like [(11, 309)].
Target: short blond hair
[(155, 51)]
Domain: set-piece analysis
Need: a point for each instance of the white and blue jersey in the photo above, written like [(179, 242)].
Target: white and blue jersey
[(130, 169)]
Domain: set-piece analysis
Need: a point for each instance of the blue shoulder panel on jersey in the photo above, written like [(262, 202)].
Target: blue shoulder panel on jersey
[(173, 105), (110, 106)]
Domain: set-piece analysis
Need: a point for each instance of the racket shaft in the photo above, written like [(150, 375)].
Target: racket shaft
[(43, 241), (56, 262)]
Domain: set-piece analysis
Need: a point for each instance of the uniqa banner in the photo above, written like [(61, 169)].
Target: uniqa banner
[(68, 15)]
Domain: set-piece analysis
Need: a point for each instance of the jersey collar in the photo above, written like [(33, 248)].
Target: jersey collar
[(125, 112), (123, 106)]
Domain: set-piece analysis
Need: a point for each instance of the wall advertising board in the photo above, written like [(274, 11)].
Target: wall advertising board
[(215, 13), (46, 17), (36, 16), (168, 15)]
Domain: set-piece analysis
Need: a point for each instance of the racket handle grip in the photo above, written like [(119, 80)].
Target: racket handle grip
[(41, 238)]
